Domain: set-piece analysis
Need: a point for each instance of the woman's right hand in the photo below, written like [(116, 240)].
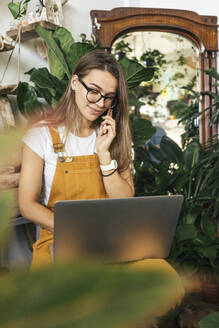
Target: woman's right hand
[(105, 135)]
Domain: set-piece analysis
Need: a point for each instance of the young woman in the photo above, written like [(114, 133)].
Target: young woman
[(81, 150)]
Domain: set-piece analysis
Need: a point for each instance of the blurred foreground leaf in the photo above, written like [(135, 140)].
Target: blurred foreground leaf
[(10, 143), (9, 147), (210, 321), (83, 295), (6, 212)]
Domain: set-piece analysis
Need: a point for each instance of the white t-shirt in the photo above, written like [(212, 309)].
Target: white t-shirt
[(40, 141)]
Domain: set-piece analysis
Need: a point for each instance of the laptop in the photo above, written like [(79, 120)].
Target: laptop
[(115, 230)]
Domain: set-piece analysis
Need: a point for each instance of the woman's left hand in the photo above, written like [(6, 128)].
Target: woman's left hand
[(106, 133)]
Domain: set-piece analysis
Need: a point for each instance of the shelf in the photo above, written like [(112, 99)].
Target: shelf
[(8, 89), (28, 32), (7, 47)]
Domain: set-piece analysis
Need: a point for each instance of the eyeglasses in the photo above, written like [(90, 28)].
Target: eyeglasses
[(93, 96)]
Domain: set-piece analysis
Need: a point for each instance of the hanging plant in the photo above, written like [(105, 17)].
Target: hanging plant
[(18, 9)]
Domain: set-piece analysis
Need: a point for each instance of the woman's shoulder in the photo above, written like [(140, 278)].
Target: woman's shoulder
[(39, 140), (36, 131)]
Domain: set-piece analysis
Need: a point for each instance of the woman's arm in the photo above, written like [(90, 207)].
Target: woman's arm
[(119, 185), (30, 184)]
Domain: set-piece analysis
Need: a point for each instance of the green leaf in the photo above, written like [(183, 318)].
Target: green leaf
[(65, 40), (190, 217), (55, 68), (142, 130), (191, 156), (186, 231), (24, 6), (43, 79), (210, 252), (77, 51), (210, 321), (207, 226), (171, 149), (83, 295), (18, 9), (156, 152), (27, 99), (54, 48), (14, 8), (135, 73), (212, 72), (133, 101), (181, 181)]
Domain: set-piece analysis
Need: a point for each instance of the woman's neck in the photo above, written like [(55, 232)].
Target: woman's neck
[(85, 130)]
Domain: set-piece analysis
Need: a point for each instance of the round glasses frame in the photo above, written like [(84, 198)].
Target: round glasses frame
[(92, 92)]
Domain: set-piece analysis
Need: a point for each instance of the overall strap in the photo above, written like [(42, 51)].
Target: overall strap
[(58, 145)]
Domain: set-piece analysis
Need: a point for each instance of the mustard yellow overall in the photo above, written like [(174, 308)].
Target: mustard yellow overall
[(78, 177)]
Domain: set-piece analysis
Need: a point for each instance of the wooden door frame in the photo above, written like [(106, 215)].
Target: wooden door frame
[(108, 25)]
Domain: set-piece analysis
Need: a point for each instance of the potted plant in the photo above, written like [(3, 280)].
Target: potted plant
[(18, 10)]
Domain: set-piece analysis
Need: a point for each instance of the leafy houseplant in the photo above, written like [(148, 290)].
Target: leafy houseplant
[(194, 173), (18, 8), (64, 53), (188, 112)]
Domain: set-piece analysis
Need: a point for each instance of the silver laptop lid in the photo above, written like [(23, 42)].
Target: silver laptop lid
[(115, 230)]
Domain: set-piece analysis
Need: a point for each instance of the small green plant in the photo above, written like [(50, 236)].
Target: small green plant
[(122, 48), (18, 9), (181, 60), (154, 58)]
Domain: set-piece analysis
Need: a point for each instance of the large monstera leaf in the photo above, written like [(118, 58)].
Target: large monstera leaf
[(135, 73), (60, 62), (47, 85)]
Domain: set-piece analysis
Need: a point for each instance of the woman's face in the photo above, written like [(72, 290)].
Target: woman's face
[(100, 81)]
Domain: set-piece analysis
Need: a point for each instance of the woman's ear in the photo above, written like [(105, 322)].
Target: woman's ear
[(74, 81)]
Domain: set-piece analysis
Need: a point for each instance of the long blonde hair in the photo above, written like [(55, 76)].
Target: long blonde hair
[(66, 112)]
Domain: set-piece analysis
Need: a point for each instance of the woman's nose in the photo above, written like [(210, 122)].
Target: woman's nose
[(101, 102)]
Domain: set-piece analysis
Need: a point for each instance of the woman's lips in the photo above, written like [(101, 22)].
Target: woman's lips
[(94, 111)]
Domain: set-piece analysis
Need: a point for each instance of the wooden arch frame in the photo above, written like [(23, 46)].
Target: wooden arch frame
[(202, 30)]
